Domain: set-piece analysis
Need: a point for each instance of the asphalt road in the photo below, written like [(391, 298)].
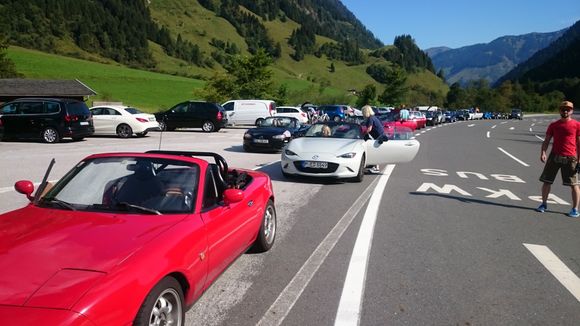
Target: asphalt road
[(451, 238)]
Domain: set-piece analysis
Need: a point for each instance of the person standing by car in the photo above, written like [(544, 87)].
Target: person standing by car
[(374, 128), (564, 157)]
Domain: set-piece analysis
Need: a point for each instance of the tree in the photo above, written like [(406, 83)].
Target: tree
[(7, 67), (395, 89), (332, 68), (246, 78), (367, 96)]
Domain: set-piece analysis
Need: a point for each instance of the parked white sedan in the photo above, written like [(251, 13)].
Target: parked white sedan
[(122, 121), (294, 112), (339, 150)]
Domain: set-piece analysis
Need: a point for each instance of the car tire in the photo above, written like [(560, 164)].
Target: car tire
[(162, 126), (50, 135), (267, 233), (155, 310), (361, 171), (208, 126), (124, 131), (142, 134)]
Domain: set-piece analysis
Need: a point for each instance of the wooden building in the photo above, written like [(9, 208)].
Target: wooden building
[(14, 88)]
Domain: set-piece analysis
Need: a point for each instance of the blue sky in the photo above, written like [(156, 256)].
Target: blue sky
[(456, 23)]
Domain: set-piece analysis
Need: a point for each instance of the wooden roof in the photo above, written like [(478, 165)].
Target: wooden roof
[(15, 87)]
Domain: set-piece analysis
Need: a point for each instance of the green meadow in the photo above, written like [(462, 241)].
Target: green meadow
[(147, 90)]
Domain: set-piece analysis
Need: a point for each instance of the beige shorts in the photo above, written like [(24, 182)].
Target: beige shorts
[(565, 163)]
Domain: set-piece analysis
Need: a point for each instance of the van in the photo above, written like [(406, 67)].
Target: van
[(249, 112), (49, 119)]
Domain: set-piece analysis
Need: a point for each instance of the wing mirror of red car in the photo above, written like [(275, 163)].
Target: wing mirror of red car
[(25, 187), (233, 196)]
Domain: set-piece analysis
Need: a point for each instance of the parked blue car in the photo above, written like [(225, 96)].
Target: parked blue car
[(335, 112)]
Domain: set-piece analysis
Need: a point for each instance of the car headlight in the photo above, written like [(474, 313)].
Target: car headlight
[(289, 152), (347, 155), (247, 135), (283, 136)]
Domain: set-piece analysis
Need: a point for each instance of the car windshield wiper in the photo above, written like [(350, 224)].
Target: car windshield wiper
[(58, 202), (127, 206)]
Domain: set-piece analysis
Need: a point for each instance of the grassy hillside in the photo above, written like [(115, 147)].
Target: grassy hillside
[(147, 90)]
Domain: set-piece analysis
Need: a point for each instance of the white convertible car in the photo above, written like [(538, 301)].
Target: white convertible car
[(339, 150)]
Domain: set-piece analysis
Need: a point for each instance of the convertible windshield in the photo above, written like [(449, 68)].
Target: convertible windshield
[(127, 184), (337, 130), (280, 122)]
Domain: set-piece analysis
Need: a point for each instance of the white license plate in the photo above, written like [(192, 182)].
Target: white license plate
[(261, 141), (315, 165), (84, 123)]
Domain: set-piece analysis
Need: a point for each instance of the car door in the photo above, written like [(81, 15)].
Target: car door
[(176, 117), (195, 114), (229, 226), (11, 119), (399, 148)]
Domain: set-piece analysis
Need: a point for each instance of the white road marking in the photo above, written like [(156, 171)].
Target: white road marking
[(513, 157), (264, 164), (493, 127), (471, 125), (423, 131), (531, 129), (487, 134), (540, 138), (512, 128), (288, 297), (533, 124), (351, 299), (555, 266), (503, 123)]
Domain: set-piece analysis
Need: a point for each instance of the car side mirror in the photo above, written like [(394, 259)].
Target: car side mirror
[(25, 187), (233, 196)]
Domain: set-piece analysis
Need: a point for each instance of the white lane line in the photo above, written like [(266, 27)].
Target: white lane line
[(503, 123), (555, 266), (471, 125), (423, 131), (515, 158), (288, 297), (493, 127), (533, 124), (531, 129), (487, 134), (540, 138), (352, 293), (512, 128), (259, 166)]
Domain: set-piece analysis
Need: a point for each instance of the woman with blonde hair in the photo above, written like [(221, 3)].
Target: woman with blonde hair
[(374, 128)]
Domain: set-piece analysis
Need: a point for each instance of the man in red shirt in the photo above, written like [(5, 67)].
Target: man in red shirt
[(564, 156)]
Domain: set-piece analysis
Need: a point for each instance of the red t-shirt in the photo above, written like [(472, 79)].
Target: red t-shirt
[(565, 134)]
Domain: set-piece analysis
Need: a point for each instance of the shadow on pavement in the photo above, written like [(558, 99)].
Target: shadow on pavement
[(475, 201)]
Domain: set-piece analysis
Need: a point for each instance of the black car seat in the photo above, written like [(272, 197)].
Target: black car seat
[(139, 186)]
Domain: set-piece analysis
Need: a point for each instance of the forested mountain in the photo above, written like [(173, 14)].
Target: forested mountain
[(489, 61), (559, 60), (318, 43)]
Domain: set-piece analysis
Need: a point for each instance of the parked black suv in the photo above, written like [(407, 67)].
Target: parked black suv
[(49, 119), (193, 114)]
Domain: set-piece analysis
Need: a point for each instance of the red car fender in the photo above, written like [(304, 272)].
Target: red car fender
[(180, 251)]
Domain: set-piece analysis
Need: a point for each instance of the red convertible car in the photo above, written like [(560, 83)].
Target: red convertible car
[(129, 238)]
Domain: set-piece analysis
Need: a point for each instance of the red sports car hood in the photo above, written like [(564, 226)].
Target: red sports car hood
[(36, 243)]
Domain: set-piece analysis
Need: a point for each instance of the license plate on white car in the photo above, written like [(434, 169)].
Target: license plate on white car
[(315, 165), (261, 141)]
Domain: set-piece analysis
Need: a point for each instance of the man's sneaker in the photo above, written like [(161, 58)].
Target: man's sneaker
[(574, 213), (375, 169), (542, 208)]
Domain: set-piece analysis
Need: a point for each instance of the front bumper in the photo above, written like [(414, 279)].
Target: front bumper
[(272, 144), (337, 167)]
